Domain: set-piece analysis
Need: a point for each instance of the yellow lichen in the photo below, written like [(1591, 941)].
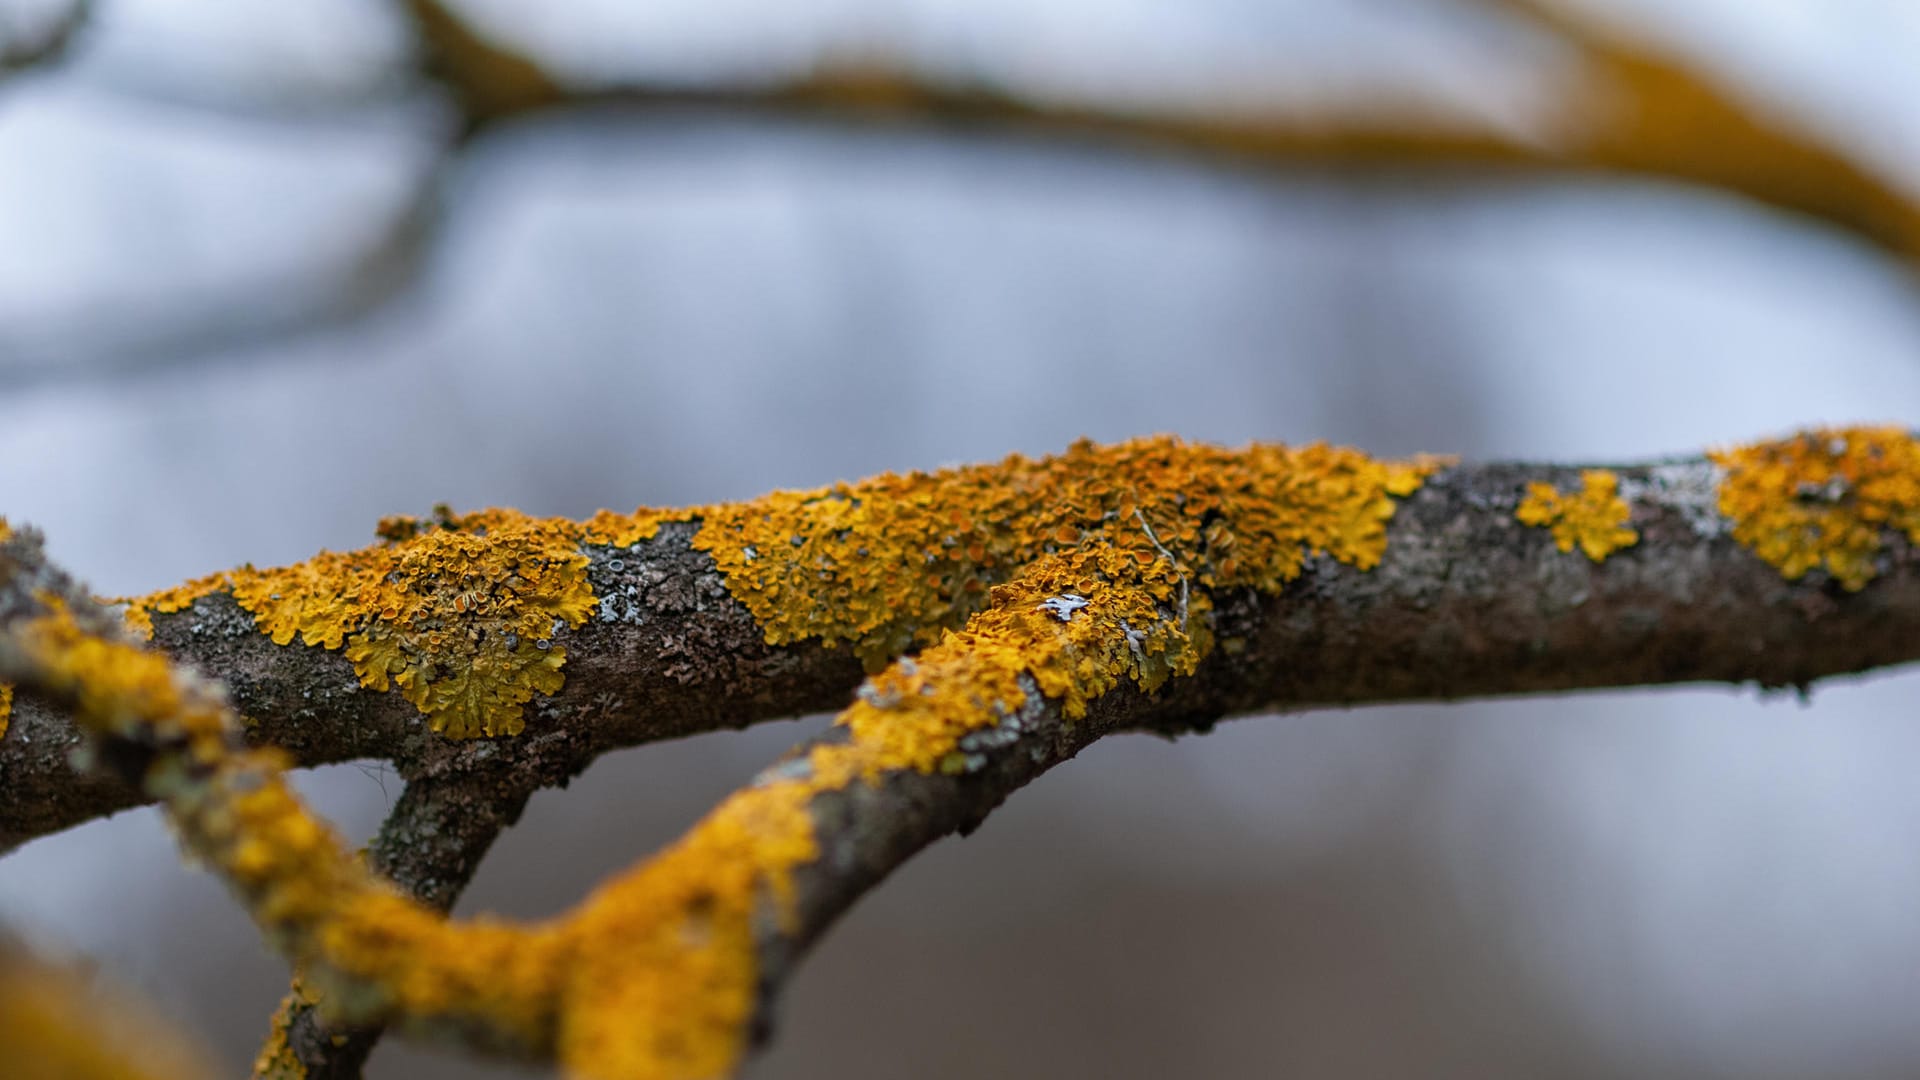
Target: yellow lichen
[(140, 610), (276, 1059), (620, 530), (1823, 498), (891, 562), (118, 687), (1065, 575), (458, 613), (1595, 519)]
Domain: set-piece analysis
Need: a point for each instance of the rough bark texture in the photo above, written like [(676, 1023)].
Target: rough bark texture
[(1468, 602), (669, 654)]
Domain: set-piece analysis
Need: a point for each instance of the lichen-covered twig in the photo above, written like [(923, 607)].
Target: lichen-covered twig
[(171, 732), (1652, 111), (430, 846), (1010, 614), (678, 639)]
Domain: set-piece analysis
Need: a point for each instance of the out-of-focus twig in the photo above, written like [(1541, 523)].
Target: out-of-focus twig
[(487, 79), (1648, 110), (49, 45), (272, 309), (1636, 108)]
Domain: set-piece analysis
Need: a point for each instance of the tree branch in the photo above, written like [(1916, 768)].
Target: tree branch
[(1636, 110), (50, 45), (672, 652), (430, 846), (669, 654), (1013, 614), (279, 308)]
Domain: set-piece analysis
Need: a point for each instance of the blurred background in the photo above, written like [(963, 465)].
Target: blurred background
[(259, 287)]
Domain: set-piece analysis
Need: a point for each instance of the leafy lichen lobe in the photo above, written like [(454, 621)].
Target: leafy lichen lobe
[(1822, 499), (1594, 519)]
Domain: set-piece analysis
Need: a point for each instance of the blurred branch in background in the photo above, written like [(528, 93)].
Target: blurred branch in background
[(1632, 107), (279, 307), (41, 46)]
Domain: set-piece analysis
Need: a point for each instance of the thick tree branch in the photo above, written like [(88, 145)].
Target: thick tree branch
[(669, 654), (1467, 601)]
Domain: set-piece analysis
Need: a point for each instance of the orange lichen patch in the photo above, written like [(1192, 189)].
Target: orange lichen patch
[(894, 561), (663, 974), (463, 623), (276, 1059), (6, 707), (620, 530), (141, 609), (1595, 519), (1822, 498), (458, 613)]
